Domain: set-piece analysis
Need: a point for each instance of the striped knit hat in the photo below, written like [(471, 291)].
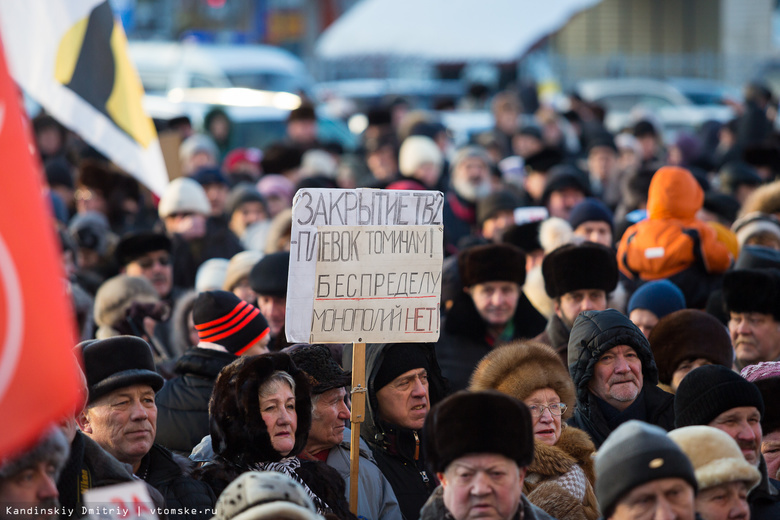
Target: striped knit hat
[(221, 317)]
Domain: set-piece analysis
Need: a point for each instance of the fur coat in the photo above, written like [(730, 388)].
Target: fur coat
[(552, 477)]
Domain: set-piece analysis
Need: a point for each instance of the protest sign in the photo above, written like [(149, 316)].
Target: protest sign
[(365, 266), (129, 501)]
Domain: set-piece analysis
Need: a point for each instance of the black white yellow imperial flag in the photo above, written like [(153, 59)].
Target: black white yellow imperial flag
[(71, 57)]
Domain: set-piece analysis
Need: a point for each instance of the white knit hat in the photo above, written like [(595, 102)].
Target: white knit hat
[(416, 151), (184, 195), (240, 266), (211, 275), (261, 495)]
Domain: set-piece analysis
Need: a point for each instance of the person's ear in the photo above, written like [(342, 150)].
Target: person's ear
[(83, 421)]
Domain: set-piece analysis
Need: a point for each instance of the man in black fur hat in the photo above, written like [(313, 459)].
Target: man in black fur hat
[(491, 311), (578, 278), (481, 469), (752, 298), (121, 416)]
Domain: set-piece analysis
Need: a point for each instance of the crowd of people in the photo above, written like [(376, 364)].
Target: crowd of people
[(609, 347)]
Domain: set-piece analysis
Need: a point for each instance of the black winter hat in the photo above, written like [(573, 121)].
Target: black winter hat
[(241, 194), (634, 454), (118, 362), (59, 172), (753, 290), (573, 267), (525, 236), (689, 334), (590, 210), (221, 317), (399, 359), (134, 245), (491, 263), (563, 177), (708, 391), (478, 422), (269, 276), (488, 206), (594, 333), (323, 371), (543, 160)]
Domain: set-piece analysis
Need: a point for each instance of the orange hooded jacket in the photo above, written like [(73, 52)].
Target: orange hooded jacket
[(671, 239)]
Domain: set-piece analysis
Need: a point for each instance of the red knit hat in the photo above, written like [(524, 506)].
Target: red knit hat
[(221, 317)]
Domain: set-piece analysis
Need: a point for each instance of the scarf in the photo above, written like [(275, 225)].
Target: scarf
[(288, 466)]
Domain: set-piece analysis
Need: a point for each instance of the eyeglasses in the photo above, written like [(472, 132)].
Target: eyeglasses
[(148, 262), (556, 409)]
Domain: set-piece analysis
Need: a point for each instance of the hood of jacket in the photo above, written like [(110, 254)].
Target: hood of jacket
[(674, 194), (373, 430), (594, 333)]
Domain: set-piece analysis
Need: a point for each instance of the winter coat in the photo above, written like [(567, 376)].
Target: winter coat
[(398, 451), (435, 509), (671, 243), (89, 466), (569, 465), (460, 220), (556, 334), (597, 333), (465, 340), (183, 403), (240, 437), (376, 500), (185, 497), (764, 499), (188, 255)]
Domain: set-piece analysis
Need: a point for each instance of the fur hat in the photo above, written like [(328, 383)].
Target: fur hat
[(521, 368), (689, 334), (221, 317), (715, 456), (478, 422), (238, 432), (265, 495), (269, 276), (183, 195), (323, 371), (117, 294), (490, 205), (90, 230), (118, 362), (239, 267), (708, 391), (634, 454), (53, 447), (491, 263), (753, 290), (766, 376), (574, 267), (416, 151), (134, 245)]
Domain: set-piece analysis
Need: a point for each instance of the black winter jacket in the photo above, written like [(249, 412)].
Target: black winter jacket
[(464, 339), (764, 499), (183, 403), (219, 242), (185, 497), (394, 448), (594, 333)]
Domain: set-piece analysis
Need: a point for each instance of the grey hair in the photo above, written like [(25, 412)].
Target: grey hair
[(278, 376)]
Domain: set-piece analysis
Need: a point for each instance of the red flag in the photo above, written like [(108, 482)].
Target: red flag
[(38, 378)]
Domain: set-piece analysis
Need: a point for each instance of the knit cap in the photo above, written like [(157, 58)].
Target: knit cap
[(323, 371), (416, 151), (661, 297), (239, 267), (211, 274), (708, 391), (221, 317), (183, 195), (399, 359), (634, 454), (589, 210), (766, 376)]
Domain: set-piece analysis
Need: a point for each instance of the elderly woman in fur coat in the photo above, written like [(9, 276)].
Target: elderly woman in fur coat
[(561, 477), (259, 419)]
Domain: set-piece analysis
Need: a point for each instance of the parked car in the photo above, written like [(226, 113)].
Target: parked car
[(258, 117), (629, 99), (164, 66)]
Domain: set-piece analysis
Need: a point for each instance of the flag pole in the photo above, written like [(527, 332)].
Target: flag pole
[(359, 391)]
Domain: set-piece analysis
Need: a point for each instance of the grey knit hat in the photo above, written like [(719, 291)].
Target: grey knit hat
[(53, 447)]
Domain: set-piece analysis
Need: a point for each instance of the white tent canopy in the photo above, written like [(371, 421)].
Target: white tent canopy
[(446, 31)]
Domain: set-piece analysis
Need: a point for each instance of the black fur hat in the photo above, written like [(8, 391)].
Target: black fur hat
[(491, 263), (238, 432), (753, 290), (323, 371), (134, 245), (573, 267), (505, 427)]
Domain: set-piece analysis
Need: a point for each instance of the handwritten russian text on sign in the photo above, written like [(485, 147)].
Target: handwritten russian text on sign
[(365, 266), (376, 281)]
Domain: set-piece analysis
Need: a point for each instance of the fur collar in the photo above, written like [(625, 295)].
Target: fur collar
[(573, 447), (464, 319)]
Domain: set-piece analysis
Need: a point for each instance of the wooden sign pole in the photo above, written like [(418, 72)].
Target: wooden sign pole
[(359, 390)]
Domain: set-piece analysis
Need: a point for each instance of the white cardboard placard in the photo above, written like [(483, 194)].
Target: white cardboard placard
[(129, 501)]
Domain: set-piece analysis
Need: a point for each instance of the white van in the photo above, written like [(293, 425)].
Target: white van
[(164, 66)]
